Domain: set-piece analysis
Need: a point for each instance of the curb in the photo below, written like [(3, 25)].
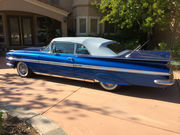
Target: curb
[(40, 123)]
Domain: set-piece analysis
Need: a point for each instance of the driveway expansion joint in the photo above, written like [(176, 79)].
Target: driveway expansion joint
[(62, 100), (40, 123)]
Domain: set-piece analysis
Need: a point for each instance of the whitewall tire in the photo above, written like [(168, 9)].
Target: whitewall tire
[(108, 86), (23, 70)]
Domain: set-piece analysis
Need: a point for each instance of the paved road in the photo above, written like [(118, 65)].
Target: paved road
[(82, 108)]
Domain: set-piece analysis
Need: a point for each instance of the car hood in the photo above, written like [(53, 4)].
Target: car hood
[(31, 49), (34, 50)]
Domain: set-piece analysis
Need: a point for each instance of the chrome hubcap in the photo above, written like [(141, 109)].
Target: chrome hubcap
[(23, 69), (109, 86)]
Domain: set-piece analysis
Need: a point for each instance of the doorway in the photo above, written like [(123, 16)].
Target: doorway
[(20, 30)]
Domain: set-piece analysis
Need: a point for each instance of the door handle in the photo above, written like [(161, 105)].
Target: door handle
[(71, 59)]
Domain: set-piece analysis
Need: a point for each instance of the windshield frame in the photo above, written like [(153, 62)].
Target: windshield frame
[(45, 47)]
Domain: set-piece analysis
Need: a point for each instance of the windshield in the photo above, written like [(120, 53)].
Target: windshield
[(115, 47), (46, 48)]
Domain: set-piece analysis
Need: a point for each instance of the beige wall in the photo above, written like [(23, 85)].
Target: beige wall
[(80, 2), (93, 11), (66, 4), (83, 9)]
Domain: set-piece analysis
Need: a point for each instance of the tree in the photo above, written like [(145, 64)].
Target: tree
[(145, 14)]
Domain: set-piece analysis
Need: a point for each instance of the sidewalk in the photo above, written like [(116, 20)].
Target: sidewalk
[(176, 75)]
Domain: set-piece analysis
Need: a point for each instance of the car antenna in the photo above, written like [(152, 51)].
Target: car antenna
[(137, 49)]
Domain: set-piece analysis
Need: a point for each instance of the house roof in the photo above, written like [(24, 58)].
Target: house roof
[(49, 6), (96, 46)]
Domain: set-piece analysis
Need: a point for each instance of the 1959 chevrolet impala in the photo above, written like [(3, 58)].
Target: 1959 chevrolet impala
[(94, 59)]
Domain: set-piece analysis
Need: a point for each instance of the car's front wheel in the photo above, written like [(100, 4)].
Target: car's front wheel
[(108, 86), (23, 70)]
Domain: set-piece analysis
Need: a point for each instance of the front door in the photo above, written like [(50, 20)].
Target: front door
[(20, 30), (60, 61)]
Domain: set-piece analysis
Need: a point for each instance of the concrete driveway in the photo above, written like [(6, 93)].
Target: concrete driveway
[(82, 108)]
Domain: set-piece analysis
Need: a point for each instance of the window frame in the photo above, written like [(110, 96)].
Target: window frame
[(82, 45), (3, 30), (75, 48), (98, 30), (78, 25), (51, 48)]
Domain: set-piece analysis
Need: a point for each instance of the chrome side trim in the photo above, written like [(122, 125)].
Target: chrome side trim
[(123, 70), (93, 67), (164, 82), (56, 63), (42, 62), (24, 60)]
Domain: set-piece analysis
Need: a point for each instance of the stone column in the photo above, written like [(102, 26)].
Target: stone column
[(64, 28), (6, 42)]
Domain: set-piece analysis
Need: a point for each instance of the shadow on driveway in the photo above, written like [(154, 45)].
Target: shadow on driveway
[(171, 94)]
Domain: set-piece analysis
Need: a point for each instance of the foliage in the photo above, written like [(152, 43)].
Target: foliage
[(1, 121), (175, 63), (162, 46), (175, 51), (2, 132), (128, 38), (144, 13)]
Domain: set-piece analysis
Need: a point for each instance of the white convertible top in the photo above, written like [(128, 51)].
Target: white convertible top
[(95, 45)]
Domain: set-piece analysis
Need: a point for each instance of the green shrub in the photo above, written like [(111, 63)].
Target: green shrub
[(162, 46), (175, 50), (175, 53), (2, 132), (1, 120)]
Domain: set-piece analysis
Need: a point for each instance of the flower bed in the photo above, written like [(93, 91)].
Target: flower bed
[(14, 126)]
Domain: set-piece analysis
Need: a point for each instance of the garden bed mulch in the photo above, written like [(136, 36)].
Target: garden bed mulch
[(15, 126)]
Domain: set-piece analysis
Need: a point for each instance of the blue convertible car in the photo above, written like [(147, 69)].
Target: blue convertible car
[(95, 59)]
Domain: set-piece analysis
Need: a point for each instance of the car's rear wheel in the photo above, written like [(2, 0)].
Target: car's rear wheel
[(23, 70), (108, 86)]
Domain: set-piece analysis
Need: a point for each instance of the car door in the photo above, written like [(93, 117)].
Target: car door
[(81, 62), (60, 60)]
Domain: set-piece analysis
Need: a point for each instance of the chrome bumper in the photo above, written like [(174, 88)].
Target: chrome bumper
[(164, 82), (10, 65)]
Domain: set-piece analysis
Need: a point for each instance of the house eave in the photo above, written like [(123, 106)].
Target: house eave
[(48, 7)]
